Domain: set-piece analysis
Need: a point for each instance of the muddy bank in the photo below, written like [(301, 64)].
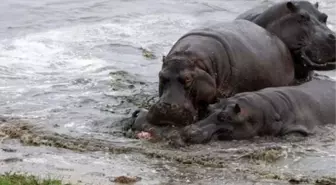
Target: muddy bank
[(264, 160), (72, 70)]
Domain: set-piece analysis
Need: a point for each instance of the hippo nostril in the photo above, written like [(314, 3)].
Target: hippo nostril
[(174, 106), (332, 37)]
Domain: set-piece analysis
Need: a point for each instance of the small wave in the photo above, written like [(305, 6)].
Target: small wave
[(70, 48)]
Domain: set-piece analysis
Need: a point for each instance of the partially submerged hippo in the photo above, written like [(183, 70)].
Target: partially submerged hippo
[(271, 111), (276, 11), (202, 67), (217, 62), (302, 27)]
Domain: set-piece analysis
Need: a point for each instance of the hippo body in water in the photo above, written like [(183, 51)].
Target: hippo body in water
[(270, 111), (217, 62), (212, 63), (302, 27), (202, 67), (257, 14)]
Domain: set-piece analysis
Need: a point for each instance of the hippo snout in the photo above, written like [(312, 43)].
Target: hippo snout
[(195, 134), (171, 114), (203, 132)]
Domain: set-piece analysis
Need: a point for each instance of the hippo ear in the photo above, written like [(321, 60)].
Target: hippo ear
[(291, 6), (316, 5), (236, 108), (163, 58)]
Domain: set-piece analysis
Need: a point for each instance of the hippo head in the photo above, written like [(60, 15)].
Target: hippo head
[(312, 9), (306, 35), (228, 123), (183, 89), (278, 10)]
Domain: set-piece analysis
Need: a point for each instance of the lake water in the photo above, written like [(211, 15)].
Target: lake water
[(77, 67)]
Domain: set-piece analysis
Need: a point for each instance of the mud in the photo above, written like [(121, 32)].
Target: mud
[(126, 180), (73, 71), (290, 159)]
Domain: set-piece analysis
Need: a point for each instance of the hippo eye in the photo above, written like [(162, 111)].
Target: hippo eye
[(187, 80), (305, 17)]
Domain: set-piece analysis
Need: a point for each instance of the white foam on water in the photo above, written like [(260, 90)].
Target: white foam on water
[(38, 53), (320, 2), (69, 48), (35, 160), (57, 57)]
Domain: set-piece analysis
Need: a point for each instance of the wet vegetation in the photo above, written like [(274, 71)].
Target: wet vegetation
[(126, 180), (252, 160), (268, 155), (148, 54), (24, 179), (121, 80), (326, 181)]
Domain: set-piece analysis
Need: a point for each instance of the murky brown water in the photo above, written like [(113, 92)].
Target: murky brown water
[(76, 68)]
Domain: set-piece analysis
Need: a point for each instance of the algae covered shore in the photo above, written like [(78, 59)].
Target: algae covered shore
[(73, 71), (25, 179), (86, 160)]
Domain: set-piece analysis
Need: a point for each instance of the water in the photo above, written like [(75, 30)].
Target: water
[(56, 56)]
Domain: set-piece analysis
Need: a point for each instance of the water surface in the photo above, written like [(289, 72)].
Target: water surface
[(76, 67)]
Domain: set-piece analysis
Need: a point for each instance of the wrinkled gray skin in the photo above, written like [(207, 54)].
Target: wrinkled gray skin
[(271, 111), (216, 62), (302, 27), (276, 10)]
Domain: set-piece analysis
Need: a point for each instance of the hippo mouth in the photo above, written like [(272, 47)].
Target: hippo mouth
[(331, 61), (317, 64), (222, 134), (165, 122), (196, 134)]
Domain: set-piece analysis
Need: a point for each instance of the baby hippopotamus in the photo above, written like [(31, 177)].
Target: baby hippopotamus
[(271, 111)]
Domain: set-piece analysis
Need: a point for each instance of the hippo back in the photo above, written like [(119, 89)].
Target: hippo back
[(302, 27), (266, 13), (257, 58), (254, 13)]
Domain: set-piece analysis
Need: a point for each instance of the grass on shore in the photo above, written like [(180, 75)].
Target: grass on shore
[(24, 179)]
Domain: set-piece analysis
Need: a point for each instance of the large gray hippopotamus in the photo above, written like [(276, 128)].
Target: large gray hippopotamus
[(312, 45), (271, 111), (210, 63), (216, 62), (273, 10)]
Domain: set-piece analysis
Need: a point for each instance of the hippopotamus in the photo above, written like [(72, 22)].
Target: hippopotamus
[(217, 62), (254, 13), (274, 111), (302, 27)]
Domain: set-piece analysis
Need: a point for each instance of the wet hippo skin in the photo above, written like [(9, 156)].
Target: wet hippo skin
[(271, 111), (302, 27), (216, 62)]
